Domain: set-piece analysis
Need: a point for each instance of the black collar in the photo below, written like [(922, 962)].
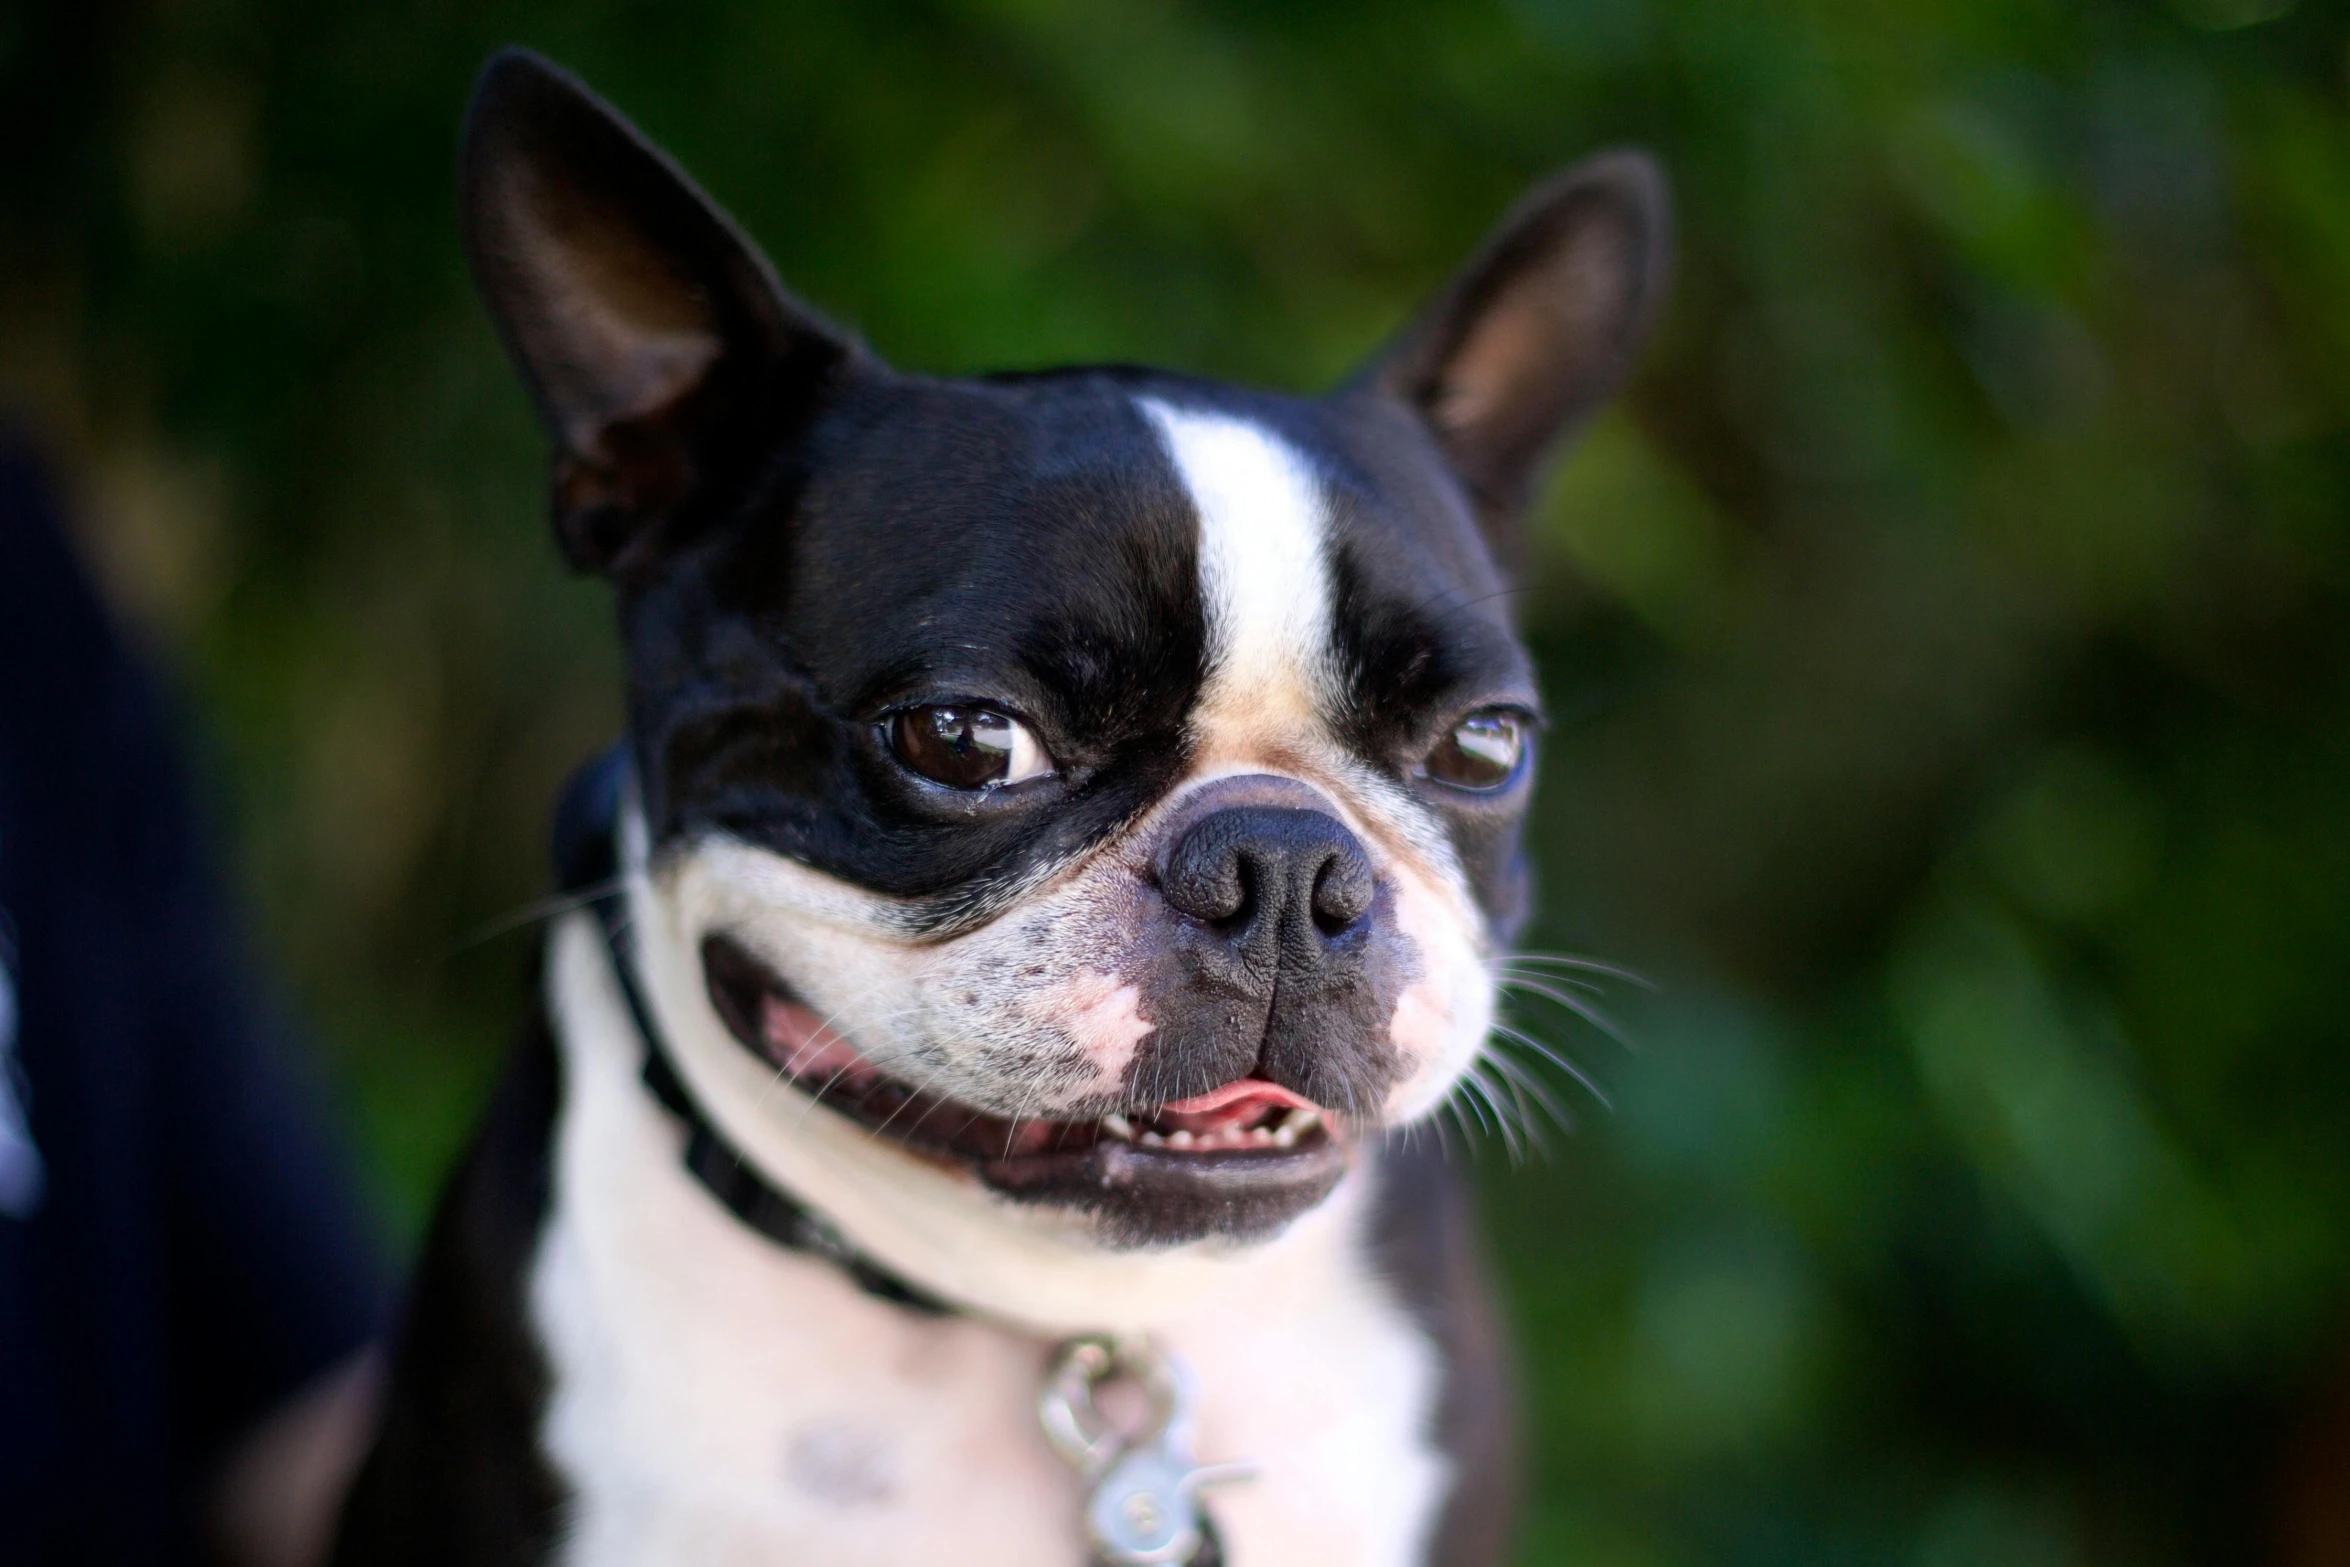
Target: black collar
[(586, 857)]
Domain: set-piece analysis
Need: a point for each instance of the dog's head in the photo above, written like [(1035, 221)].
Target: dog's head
[(1103, 784)]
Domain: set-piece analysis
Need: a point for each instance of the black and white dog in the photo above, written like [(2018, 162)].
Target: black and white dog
[(1067, 820)]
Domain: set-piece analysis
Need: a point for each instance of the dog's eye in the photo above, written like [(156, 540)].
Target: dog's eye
[(967, 747), (1483, 751)]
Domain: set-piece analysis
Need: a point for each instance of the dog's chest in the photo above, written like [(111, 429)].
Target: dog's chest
[(717, 1399)]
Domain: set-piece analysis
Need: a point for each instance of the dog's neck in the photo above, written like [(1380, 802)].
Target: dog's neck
[(1038, 1268), (714, 1395)]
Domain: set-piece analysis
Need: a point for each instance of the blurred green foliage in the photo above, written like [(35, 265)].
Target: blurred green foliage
[(1946, 636)]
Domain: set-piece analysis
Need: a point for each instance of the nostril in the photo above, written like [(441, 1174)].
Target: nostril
[(1208, 877), (1238, 899), (1342, 890), (1252, 872)]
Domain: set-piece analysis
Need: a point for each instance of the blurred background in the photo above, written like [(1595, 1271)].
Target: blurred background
[(1946, 637)]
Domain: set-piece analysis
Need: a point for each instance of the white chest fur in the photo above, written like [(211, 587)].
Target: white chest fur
[(720, 1400)]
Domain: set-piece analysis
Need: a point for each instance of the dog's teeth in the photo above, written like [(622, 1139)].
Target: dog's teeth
[(1119, 1127), (1260, 1136), (1152, 1140), (1302, 1121), (1179, 1138), (1286, 1137)]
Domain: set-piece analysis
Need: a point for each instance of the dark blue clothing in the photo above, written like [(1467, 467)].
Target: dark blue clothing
[(197, 1253)]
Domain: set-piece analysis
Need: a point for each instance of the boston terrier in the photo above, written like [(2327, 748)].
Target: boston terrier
[(1065, 834)]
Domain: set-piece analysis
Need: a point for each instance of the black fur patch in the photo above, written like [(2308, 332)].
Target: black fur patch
[(1425, 1231), (456, 1476)]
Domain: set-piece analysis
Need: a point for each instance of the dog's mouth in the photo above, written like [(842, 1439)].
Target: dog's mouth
[(1243, 1149)]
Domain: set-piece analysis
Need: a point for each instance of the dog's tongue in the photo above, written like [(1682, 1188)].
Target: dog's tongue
[(798, 1041), (1238, 1103)]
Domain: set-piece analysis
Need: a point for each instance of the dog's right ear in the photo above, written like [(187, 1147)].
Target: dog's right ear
[(653, 336)]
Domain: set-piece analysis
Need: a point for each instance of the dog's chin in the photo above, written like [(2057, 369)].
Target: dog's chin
[(1237, 1162)]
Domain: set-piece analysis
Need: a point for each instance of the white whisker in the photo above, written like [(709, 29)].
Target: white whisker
[(1568, 960), (1509, 975), (1496, 1101), (530, 914), (1595, 1016), (1524, 1083), (1460, 1121), (1557, 1060)]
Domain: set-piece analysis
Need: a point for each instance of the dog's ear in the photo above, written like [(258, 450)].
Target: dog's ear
[(1538, 329), (652, 334)]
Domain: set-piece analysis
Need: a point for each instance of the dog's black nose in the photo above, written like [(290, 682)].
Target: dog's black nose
[(1276, 881)]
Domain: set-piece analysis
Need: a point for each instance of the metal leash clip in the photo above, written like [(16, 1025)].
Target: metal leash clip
[(1144, 1503)]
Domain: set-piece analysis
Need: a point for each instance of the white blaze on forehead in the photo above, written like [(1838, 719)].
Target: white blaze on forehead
[(1263, 576)]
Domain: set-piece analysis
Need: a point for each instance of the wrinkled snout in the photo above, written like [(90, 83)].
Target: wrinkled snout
[(1280, 959)]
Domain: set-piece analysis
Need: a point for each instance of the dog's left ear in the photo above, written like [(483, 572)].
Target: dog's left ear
[(654, 338), (1537, 330)]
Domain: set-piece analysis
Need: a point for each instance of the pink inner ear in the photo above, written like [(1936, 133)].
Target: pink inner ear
[(800, 1042)]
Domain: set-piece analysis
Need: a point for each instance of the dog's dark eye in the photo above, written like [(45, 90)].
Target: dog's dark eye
[(1483, 751), (967, 747)]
